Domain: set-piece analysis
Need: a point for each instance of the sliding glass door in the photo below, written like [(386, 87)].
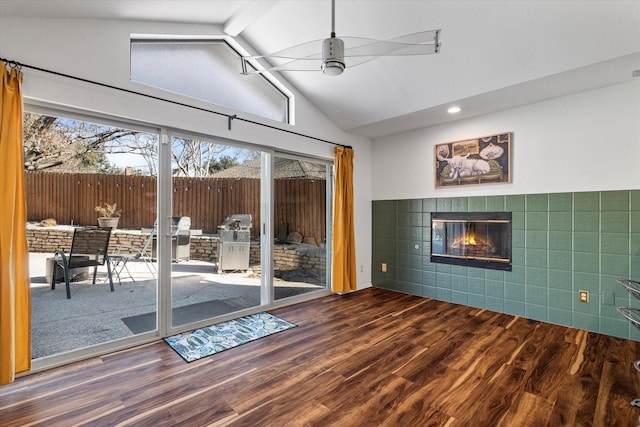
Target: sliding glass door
[(300, 219), (214, 229), (207, 230), (79, 171)]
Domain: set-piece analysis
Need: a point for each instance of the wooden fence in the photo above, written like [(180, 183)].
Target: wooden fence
[(72, 198)]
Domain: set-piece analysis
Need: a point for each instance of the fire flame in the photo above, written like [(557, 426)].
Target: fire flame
[(469, 239)]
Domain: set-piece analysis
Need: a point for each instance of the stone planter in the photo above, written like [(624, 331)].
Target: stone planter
[(108, 222)]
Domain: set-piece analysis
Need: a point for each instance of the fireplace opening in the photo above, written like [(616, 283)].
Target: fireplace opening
[(472, 239)]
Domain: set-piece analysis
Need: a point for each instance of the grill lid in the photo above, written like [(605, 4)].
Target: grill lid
[(240, 222), (181, 222)]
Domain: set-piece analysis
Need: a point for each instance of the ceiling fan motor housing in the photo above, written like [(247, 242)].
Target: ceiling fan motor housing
[(333, 56)]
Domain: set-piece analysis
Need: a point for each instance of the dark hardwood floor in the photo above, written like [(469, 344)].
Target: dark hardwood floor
[(370, 358)]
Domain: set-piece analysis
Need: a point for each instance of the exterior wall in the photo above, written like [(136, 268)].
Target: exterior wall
[(562, 243)]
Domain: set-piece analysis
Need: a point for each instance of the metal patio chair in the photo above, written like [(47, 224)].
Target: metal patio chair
[(88, 249), (123, 254)]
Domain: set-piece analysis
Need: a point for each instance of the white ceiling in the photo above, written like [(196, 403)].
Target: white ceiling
[(495, 54)]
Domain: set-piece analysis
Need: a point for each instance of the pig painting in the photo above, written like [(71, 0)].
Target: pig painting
[(476, 161), (462, 166)]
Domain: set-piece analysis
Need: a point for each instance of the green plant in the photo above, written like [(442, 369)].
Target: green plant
[(109, 211)]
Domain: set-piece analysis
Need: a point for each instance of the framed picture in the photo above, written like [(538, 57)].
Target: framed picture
[(479, 161)]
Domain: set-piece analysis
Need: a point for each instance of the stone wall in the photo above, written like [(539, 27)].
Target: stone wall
[(300, 257), (288, 258), (52, 239), (204, 248), (49, 239)]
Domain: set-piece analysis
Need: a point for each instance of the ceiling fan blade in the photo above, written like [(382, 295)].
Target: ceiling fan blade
[(424, 43), (390, 49), (281, 64), (429, 36), (307, 50)]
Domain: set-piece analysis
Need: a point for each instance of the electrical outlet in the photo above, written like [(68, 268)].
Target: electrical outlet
[(384, 267), (583, 296)]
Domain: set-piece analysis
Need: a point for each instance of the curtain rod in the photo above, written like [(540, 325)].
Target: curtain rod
[(230, 117)]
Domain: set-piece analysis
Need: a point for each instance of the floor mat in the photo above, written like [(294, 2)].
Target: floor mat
[(213, 339)]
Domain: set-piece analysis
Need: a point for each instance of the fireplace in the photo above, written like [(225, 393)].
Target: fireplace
[(472, 239)]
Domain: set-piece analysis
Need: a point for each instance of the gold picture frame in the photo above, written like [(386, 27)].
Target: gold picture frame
[(479, 161)]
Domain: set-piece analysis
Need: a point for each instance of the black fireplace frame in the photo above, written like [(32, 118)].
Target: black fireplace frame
[(488, 263)]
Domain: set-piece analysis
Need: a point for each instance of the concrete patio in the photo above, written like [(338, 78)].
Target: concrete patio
[(94, 315)]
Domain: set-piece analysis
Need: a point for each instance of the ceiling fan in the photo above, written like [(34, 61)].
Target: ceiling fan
[(333, 55)]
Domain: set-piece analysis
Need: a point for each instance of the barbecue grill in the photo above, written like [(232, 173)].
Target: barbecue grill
[(180, 238), (234, 246)]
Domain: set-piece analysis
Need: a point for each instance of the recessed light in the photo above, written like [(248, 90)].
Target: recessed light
[(453, 110)]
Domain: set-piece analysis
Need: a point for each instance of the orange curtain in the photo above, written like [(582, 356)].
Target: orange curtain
[(344, 249), (15, 307)]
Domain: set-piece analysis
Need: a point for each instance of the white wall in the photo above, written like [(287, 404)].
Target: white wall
[(98, 50), (583, 142)]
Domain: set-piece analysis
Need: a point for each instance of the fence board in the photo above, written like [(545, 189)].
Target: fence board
[(72, 198)]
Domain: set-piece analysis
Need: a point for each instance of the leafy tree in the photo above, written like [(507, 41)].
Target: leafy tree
[(222, 163)]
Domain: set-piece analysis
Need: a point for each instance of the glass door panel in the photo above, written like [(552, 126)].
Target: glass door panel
[(215, 229), (300, 215), (78, 170)]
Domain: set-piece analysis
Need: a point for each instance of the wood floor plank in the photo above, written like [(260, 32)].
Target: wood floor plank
[(373, 357), (529, 410), (365, 400), (571, 395)]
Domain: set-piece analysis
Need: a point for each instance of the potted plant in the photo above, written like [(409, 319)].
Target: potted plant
[(109, 215)]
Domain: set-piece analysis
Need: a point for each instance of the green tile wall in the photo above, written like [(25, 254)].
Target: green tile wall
[(562, 243)]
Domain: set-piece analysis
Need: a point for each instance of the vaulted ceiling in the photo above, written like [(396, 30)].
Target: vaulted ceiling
[(495, 54)]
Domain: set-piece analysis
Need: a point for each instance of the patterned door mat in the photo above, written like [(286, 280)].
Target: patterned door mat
[(213, 339)]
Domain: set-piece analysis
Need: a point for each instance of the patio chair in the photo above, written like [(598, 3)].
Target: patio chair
[(123, 254), (88, 249)]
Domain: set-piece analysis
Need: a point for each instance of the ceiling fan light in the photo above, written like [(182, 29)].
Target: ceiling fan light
[(332, 56), (332, 67)]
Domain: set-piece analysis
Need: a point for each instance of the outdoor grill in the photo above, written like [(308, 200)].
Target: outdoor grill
[(180, 238), (234, 243)]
